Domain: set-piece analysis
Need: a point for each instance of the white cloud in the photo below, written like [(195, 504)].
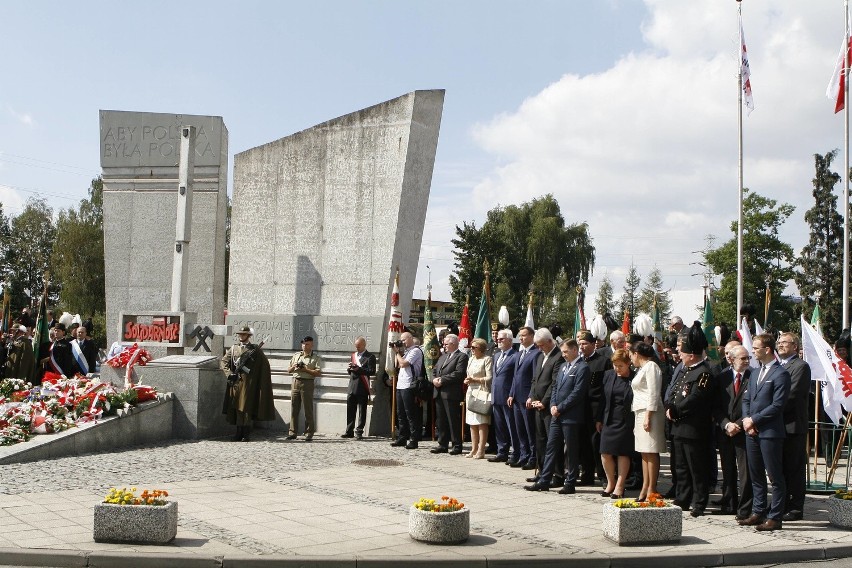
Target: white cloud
[(646, 151), (11, 200), (24, 118)]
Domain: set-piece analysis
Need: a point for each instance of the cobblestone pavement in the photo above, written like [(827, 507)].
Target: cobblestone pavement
[(291, 498)]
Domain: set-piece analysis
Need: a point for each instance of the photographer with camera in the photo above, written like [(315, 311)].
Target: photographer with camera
[(248, 395), (305, 366), (409, 360)]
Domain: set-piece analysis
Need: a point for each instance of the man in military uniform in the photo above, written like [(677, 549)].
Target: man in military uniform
[(305, 366), (248, 396), (690, 408), (362, 366), (19, 363), (590, 438)]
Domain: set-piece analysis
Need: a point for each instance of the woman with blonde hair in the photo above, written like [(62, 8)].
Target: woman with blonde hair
[(478, 378), (649, 426)]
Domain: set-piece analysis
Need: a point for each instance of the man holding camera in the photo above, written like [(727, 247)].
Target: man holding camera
[(305, 366), (409, 360), (362, 366)]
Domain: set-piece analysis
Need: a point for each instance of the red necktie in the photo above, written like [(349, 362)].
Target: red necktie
[(737, 384)]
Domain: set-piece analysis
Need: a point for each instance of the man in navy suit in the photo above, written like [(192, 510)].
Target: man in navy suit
[(795, 455), (763, 422), (447, 377), (524, 417), (567, 410), (546, 368), (504, 419)]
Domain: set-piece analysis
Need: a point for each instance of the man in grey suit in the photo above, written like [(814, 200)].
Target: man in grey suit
[(567, 411), (447, 376), (796, 423), (544, 373), (763, 422)]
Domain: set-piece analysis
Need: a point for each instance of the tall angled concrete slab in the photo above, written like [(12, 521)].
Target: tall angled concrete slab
[(321, 219)]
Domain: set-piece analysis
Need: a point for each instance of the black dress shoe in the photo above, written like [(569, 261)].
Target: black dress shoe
[(696, 513), (439, 450), (309, 437), (557, 482), (537, 487), (567, 490), (509, 462), (347, 435), (617, 496), (605, 494), (528, 466), (498, 458), (455, 451), (291, 437), (769, 525), (793, 516), (533, 479), (515, 464), (411, 445)]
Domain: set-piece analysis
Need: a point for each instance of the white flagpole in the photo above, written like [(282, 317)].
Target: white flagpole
[(846, 173), (740, 163)]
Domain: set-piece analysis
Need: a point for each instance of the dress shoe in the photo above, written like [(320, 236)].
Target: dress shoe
[(696, 513), (439, 450), (411, 446), (528, 466), (399, 443), (606, 493), (510, 462), (455, 451), (567, 490), (739, 518), (792, 516), (291, 437), (752, 521), (769, 525), (309, 437), (615, 496), (359, 436), (347, 435), (557, 482), (515, 464), (533, 479), (537, 487), (498, 458)]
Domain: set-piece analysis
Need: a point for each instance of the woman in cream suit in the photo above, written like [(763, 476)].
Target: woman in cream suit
[(649, 425), (478, 377)]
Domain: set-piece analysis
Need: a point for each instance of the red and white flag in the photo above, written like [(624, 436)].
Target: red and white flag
[(832, 371), (394, 326), (745, 71), (836, 90)]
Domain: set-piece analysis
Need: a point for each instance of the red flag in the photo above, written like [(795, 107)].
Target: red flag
[(837, 86), (625, 326), (464, 328)]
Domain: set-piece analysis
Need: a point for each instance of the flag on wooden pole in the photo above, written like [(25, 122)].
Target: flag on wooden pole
[(394, 326)]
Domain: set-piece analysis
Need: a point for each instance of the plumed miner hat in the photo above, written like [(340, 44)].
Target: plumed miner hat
[(694, 341)]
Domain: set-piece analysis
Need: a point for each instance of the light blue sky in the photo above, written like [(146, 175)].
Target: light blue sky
[(521, 80)]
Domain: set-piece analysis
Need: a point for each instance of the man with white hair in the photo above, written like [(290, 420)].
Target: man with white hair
[(448, 374), (547, 365), (505, 432)]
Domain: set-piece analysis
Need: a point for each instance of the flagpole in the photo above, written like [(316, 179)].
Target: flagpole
[(740, 163), (846, 174)]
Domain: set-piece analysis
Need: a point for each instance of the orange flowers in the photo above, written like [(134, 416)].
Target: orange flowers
[(449, 505), (128, 497), (653, 500)]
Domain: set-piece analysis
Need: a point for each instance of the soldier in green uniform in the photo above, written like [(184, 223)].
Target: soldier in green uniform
[(690, 407), (19, 363), (248, 396)]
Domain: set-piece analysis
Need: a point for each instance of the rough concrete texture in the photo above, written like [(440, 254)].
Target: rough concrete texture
[(439, 528), (143, 524), (642, 526), (139, 158), (839, 512)]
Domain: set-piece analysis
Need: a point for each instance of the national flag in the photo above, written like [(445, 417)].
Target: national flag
[(464, 327), (394, 326), (832, 371), (745, 339), (745, 71), (815, 320), (710, 331), (529, 321), (40, 333), (431, 348), (836, 90), (625, 324), (483, 317), (757, 328)]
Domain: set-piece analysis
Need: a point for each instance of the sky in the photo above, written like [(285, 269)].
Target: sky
[(624, 110)]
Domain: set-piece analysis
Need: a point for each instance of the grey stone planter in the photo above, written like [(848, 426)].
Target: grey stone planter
[(143, 524), (642, 526), (439, 528), (839, 512)]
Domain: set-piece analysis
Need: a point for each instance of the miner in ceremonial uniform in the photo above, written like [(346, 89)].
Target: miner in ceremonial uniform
[(362, 366), (248, 395), (60, 358), (590, 438), (19, 363), (690, 408)]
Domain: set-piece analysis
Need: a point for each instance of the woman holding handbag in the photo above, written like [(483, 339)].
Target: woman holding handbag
[(478, 398)]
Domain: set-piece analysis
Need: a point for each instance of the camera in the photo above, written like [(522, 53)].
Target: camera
[(398, 344), (300, 365)]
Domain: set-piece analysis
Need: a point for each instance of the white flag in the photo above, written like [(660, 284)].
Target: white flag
[(745, 334), (757, 329), (745, 71), (836, 90), (529, 323), (829, 369)]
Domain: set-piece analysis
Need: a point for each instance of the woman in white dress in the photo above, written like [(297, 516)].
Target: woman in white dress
[(649, 425), (478, 377)]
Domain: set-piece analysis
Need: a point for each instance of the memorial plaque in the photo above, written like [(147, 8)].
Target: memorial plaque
[(283, 332)]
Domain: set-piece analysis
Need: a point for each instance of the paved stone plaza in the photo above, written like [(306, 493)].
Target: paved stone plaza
[(248, 502)]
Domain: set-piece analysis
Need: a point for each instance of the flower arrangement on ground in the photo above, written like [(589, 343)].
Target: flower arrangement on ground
[(654, 500), (126, 496), (844, 494), (447, 505), (627, 521)]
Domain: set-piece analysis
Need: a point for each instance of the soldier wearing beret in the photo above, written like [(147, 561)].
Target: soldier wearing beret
[(689, 407), (590, 438)]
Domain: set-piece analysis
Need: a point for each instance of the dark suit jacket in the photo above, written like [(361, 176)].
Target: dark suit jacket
[(598, 365), (522, 381), (451, 369), (796, 409), (764, 402), (501, 384), (729, 406), (61, 353), (570, 388), (544, 374), (368, 368), (613, 385)]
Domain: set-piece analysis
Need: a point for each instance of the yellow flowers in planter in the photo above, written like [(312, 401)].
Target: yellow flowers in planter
[(448, 505), (844, 494), (654, 500), (124, 496)]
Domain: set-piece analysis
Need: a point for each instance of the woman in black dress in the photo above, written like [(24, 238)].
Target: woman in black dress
[(615, 424)]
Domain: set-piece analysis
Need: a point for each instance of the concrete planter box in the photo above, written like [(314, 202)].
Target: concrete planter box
[(839, 512), (642, 526), (143, 524), (439, 528)]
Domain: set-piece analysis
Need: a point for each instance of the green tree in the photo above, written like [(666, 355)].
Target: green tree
[(527, 244), (605, 302), (630, 297), (78, 257), (29, 253), (653, 288), (821, 260), (764, 256)]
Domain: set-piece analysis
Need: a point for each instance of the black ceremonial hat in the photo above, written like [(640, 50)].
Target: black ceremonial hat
[(695, 341)]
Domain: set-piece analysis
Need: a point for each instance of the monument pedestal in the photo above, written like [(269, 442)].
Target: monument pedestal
[(199, 389)]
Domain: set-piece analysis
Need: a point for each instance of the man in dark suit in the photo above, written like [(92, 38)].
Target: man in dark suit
[(567, 408), (362, 366), (763, 422), (84, 350), (795, 456), (447, 376), (736, 485), (60, 358), (590, 438), (524, 417), (544, 373), (501, 385)]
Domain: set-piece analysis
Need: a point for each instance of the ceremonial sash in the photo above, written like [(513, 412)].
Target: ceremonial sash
[(53, 362), (363, 378), (79, 357)]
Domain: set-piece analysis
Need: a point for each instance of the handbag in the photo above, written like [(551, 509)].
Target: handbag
[(479, 401)]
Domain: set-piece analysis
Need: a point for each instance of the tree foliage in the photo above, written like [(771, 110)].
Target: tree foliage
[(652, 289), (764, 256), (605, 301), (527, 244), (630, 297), (28, 255)]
